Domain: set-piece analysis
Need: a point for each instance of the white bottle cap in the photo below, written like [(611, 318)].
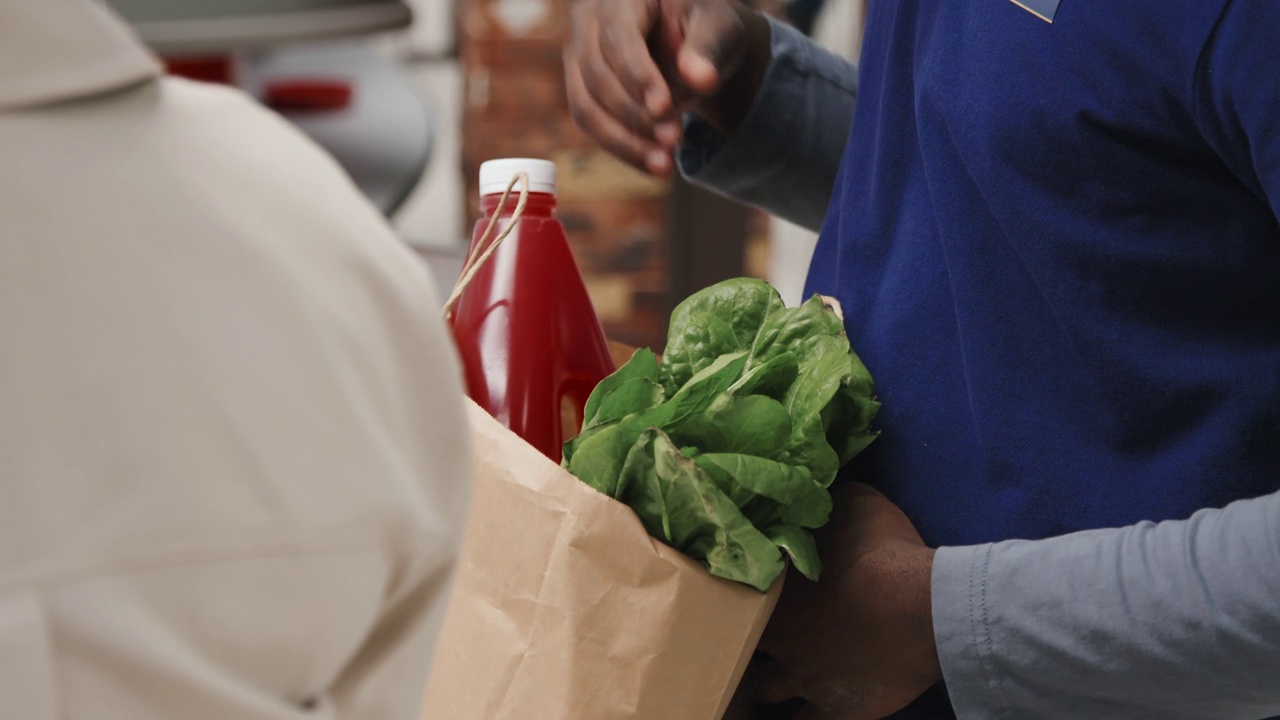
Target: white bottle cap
[(495, 175)]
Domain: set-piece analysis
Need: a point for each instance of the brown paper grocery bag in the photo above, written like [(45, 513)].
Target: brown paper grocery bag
[(565, 609)]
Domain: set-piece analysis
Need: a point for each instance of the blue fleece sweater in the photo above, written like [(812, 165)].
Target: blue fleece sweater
[(1057, 253), (1057, 249)]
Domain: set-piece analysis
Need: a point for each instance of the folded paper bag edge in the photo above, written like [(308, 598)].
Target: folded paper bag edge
[(550, 477), (537, 662)]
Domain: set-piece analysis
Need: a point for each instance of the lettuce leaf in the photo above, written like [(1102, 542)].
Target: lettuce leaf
[(633, 387), (681, 506), (724, 318), (725, 448)]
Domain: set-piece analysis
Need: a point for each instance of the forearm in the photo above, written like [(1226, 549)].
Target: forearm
[(1180, 619), (784, 155)]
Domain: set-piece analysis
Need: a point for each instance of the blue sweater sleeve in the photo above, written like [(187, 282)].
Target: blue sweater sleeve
[(785, 155), (1176, 620)]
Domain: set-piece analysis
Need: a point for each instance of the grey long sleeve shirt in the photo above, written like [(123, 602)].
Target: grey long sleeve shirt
[(1176, 620)]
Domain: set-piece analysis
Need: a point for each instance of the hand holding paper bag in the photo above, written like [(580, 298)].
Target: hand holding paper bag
[(566, 608)]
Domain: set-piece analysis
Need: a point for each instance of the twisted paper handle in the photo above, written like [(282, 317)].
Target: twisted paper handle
[(484, 249)]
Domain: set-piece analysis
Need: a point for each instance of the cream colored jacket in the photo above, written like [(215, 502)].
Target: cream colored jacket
[(233, 450)]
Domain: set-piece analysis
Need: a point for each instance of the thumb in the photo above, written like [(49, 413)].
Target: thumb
[(715, 40)]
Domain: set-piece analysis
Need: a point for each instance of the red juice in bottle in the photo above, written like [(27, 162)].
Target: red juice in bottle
[(531, 346)]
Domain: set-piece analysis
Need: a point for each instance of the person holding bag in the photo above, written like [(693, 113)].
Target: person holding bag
[(1053, 228)]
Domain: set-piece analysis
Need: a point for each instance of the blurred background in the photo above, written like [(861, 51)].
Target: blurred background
[(410, 96)]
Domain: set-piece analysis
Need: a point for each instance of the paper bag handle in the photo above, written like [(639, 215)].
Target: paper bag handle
[(484, 249)]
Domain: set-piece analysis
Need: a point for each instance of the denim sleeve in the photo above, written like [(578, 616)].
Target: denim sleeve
[(785, 155), (1175, 620)]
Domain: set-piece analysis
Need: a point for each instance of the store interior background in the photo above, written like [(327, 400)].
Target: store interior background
[(471, 80)]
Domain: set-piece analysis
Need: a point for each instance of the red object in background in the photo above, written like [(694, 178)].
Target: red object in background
[(304, 94), (531, 345), (205, 68), (284, 94)]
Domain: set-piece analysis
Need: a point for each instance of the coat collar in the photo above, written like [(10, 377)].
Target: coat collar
[(57, 50)]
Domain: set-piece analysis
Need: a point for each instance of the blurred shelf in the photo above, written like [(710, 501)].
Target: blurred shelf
[(211, 27)]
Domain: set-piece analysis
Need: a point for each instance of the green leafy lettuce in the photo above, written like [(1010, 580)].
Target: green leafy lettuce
[(726, 447)]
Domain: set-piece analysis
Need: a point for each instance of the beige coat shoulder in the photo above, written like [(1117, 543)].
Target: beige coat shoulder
[(232, 443)]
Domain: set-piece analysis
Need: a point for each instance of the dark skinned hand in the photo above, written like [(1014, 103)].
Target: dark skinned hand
[(858, 644), (633, 66)]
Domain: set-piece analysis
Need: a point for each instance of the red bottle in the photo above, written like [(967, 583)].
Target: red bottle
[(531, 345)]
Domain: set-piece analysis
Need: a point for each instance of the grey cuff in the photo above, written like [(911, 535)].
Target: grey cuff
[(963, 634), (762, 136), (785, 154)]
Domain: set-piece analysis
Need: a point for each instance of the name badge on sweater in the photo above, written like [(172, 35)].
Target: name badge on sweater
[(1043, 9)]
